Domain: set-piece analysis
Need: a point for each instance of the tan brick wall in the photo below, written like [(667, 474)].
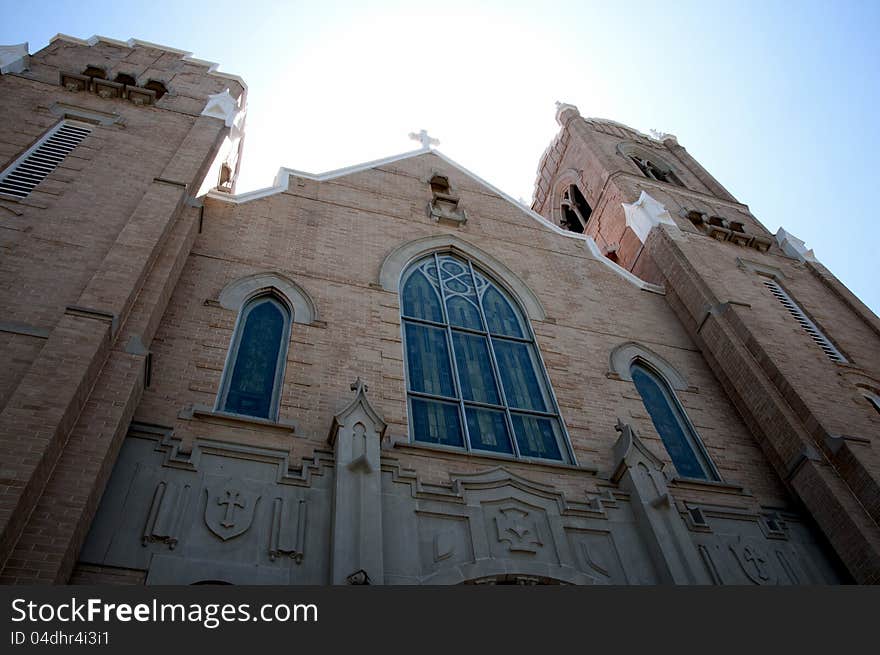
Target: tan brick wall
[(101, 232), (792, 397), (332, 237), (95, 234)]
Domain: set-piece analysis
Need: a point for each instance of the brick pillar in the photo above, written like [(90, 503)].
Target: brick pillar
[(840, 498), (65, 422)]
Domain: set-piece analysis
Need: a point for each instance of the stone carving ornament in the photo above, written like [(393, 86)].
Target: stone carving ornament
[(229, 511)]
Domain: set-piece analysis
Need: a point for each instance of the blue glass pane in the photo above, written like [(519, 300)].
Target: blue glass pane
[(667, 424), (427, 358), (253, 374), (536, 436), (421, 299), (463, 312), (522, 386), (435, 422), (500, 315), (488, 430), (475, 377)]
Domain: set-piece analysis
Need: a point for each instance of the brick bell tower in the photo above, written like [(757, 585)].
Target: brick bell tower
[(794, 349), (105, 148)]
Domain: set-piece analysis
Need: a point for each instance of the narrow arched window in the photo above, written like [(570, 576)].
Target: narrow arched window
[(255, 365), (678, 435), (576, 210), (474, 376)]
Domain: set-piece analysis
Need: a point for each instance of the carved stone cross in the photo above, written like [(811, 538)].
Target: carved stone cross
[(231, 501), (520, 534), (424, 139), (757, 560)]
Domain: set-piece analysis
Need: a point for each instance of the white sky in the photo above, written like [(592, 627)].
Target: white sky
[(367, 92)]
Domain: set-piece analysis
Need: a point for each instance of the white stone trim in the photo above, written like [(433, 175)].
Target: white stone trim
[(646, 212), (223, 106), (236, 293), (794, 247), (63, 110), (131, 43), (623, 356), (630, 277), (282, 178), (13, 58)]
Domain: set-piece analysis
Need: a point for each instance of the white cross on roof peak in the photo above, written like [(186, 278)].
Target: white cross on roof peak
[(423, 137)]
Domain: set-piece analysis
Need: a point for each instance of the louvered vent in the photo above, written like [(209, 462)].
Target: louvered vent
[(32, 167), (809, 327)]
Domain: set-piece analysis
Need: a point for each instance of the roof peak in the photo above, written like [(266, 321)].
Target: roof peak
[(282, 181)]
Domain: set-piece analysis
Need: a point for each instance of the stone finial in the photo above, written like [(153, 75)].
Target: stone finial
[(630, 450), (359, 405), (646, 212), (425, 139), (13, 58), (565, 112), (223, 106), (663, 137), (794, 247)]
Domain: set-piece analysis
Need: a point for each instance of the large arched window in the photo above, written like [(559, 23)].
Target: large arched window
[(255, 365), (678, 435), (474, 377)]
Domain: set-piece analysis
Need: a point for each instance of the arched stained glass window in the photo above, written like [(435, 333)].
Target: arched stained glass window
[(474, 377), (255, 367), (682, 443)]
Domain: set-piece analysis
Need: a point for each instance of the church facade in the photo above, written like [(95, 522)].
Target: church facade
[(394, 373)]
